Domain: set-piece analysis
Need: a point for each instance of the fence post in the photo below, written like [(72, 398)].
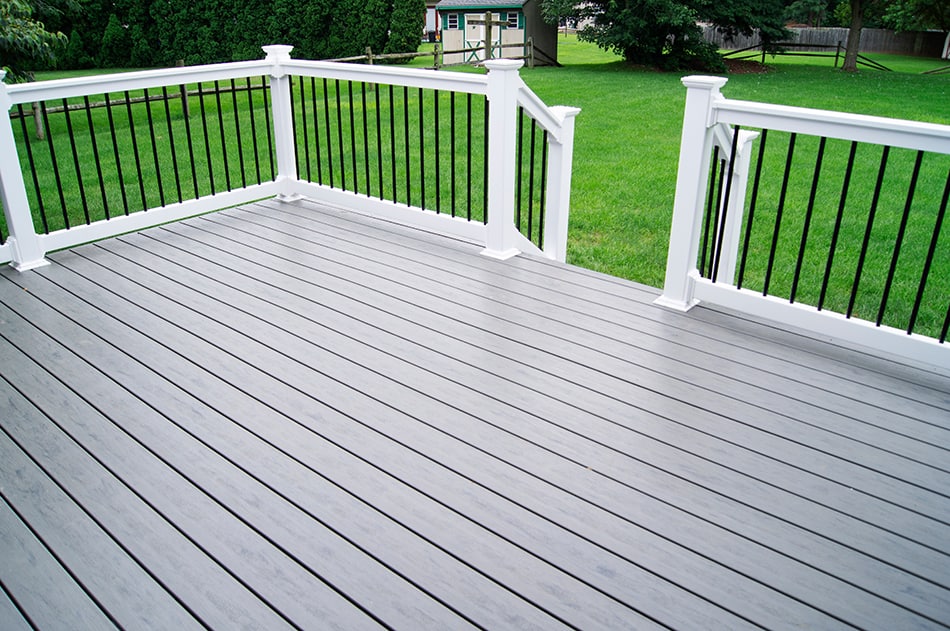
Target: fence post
[(695, 149), (502, 92), (560, 163), (283, 118), (27, 253)]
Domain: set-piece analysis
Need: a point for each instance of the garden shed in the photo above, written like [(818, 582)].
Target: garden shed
[(462, 26)]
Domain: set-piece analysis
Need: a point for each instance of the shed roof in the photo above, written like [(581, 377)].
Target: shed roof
[(480, 4)]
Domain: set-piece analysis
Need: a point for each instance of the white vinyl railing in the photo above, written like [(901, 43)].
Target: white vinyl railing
[(715, 216), (25, 247)]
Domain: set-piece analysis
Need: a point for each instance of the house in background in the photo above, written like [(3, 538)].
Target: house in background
[(461, 26)]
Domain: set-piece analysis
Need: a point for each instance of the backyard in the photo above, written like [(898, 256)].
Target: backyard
[(626, 151)]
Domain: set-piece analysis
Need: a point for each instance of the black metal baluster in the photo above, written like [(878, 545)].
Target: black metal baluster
[(250, 113), (405, 129), (751, 214), (392, 138), (438, 162), (326, 118), (55, 163), (809, 211), (721, 221), (379, 142), (33, 169), (867, 232), (531, 160), (135, 149), (268, 126), (899, 239), (369, 182), (76, 167), (151, 132), (778, 214), (452, 187), (316, 130), (710, 214), (237, 132), (115, 150), (186, 114), (171, 143), (356, 180), (306, 130), (842, 203), (519, 172), (339, 134), (468, 170), (485, 161), (946, 325), (925, 273), (224, 139), (95, 155), (422, 153), (204, 128)]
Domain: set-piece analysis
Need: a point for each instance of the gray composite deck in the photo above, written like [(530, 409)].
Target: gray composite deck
[(287, 416)]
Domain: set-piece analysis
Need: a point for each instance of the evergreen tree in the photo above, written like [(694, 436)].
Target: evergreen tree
[(405, 26), (114, 52)]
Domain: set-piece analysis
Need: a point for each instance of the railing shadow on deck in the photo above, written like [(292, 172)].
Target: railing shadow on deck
[(478, 157), (842, 231)]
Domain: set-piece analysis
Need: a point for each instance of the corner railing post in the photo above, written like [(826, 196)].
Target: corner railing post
[(560, 163), (27, 253), (283, 118), (502, 90), (695, 149)]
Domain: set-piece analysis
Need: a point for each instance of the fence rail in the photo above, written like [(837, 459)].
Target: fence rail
[(828, 221), (122, 152)]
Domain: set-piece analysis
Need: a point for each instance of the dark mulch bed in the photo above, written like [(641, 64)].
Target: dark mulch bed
[(746, 66)]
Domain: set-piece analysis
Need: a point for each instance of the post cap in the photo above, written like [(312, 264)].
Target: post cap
[(277, 51), (704, 82), (503, 64)]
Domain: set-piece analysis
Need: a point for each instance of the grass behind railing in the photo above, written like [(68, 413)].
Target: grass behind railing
[(855, 284), (208, 161)]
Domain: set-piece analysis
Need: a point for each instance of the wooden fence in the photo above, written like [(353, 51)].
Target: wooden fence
[(923, 43)]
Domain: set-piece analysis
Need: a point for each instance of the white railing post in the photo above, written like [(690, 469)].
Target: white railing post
[(560, 163), (502, 92), (695, 149), (732, 223), (27, 253), (283, 117)]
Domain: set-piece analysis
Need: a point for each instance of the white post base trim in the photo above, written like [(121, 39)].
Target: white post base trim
[(289, 197), (675, 305), (29, 265), (501, 255)]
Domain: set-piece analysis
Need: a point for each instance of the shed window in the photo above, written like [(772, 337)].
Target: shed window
[(452, 21), (513, 20)]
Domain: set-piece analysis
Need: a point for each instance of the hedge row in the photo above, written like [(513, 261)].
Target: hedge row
[(146, 33)]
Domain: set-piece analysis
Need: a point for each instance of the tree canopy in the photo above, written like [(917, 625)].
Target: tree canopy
[(667, 33), (25, 43)]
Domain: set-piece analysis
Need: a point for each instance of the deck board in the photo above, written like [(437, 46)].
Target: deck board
[(288, 415)]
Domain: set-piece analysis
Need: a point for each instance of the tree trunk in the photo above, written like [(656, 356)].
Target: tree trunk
[(854, 36)]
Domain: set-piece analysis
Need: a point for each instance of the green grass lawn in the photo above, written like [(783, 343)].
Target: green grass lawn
[(627, 144)]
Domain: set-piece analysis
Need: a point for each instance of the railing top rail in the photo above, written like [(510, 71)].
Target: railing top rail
[(550, 118), (862, 128), (389, 75), (120, 81)]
